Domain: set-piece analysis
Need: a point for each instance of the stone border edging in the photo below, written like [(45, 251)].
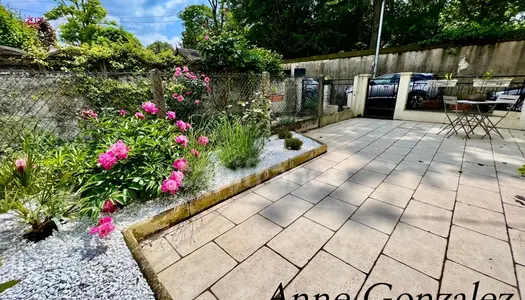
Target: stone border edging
[(137, 232)]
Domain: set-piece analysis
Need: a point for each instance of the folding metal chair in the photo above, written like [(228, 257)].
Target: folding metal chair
[(511, 101), (458, 117)]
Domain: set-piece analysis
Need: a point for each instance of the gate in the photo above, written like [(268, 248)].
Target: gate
[(381, 98)]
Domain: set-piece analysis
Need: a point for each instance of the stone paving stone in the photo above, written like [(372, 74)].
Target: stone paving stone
[(352, 193), (426, 150), (244, 207), (368, 178), (256, 278), (514, 215), (449, 158), (479, 158), (392, 194), (479, 197), (520, 273), (160, 254), (349, 149), (277, 189), (349, 166), (398, 150), (320, 165), (362, 157), (441, 181), (301, 175), (357, 245), (480, 220), (206, 296), (336, 156), (380, 166), (402, 278), (313, 191), (334, 177), (391, 157), (382, 143), (194, 274), (435, 196), (417, 157), (299, 242), (419, 249), (378, 215), (482, 253), (326, 274), (412, 167), (517, 242), (479, 181), (459, 279), (478, 168), (331, 212), (405, 144), (189, 235), (513, 181), (428, 217), (373, 150), (244, 239), (407, 180), (286, 210), (444, 168)]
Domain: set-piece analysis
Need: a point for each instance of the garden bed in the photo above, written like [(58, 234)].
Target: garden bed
[(73, 264)]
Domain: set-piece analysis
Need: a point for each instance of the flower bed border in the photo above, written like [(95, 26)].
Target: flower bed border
[(138, 232)]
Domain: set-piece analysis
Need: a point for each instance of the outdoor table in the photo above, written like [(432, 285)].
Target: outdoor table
[(482, 119)]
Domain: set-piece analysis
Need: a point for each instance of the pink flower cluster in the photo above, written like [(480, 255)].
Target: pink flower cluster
[(117, 151), (195, 152), (109, 207), (171, 115), (177, 97), (150, 107), (173, 183), (182, 140), (104, 228), (203, 140), (183, 126), (20, 165), (139, 115), (88, 113), (181, 164)]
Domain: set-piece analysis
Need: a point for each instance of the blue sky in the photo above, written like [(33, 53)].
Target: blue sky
[(149, 20)]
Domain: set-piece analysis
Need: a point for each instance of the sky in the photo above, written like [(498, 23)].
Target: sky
[(149, 20)]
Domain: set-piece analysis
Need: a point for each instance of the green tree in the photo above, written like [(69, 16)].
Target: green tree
[(197, 20), (85, 20), (111, 34), (159, 47), (14, 32)]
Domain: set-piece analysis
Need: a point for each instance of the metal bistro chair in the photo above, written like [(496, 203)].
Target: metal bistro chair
[(511, 101), (455, 117)]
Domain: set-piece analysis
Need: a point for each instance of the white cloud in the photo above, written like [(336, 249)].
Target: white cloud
[(150, 38)]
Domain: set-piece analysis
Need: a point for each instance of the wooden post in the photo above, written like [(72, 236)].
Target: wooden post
[(265, 84), (158, 92), (320, 101)]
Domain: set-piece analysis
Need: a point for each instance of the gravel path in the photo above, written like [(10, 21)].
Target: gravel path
[(73, 265)]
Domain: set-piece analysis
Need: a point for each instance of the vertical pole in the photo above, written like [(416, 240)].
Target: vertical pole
[(320, 101), (376, 59), (158, 92), (265, 84)]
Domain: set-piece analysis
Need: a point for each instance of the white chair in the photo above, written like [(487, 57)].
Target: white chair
[(457, 118), (510, 101)]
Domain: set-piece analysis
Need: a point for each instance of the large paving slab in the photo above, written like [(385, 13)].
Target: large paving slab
[(428, 217), (286, 210), (313, 191), (277, 189), (331, 213), (352, 193), (378, 215), (244, 207), (480, 220), (159, 253), (393, 194)]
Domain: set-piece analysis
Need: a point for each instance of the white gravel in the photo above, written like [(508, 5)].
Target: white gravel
[(71, 264)]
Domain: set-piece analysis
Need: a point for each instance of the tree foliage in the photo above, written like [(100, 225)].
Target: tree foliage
[(14, 32), (197, 19), (159, 47)]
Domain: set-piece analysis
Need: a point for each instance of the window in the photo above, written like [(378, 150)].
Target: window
[(384, 79)]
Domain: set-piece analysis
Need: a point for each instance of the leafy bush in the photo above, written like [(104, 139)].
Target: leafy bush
[(521, 170), (293, 143), (14, 32), (284, 134), (240, 142)]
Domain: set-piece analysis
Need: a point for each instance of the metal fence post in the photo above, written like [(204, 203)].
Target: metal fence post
[(265, 83), (158, 92), (320, 101)]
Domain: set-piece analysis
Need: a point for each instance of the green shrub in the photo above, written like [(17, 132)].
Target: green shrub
[(286, 121), (240, 142), (521, 170), (293, 143), (284, 134)]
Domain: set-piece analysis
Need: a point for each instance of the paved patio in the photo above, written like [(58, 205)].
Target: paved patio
[(390, 202)]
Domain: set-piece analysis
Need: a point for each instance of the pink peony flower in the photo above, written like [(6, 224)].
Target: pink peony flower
[(109, 207), (88, 113), (195, 152), (185, 69), (203, 75), (177, 176), (20, 165), (178, 69), (183, 140), (107, 160), (139, 115), (206, 37), (203, 140), (150, 107), (122, 112), (207, 79), (188, 93), (182, 125), (180, 98), (171, 115), (174, 95), (181, 164), (104, 228), (188, 125), (197, 102), (119, 149), (208, 89), (178, 73)]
